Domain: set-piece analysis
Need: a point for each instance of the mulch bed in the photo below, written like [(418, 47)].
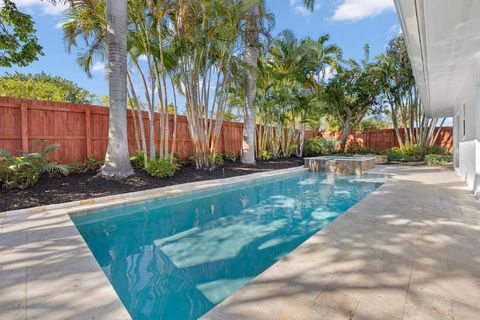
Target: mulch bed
[(90, 185)]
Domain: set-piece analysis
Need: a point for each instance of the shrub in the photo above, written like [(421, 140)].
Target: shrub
[(413, 152), (293, 149), (356, 149), (436, 150), (319, 146), (161, 167), (24, 171), (438, 159), (138, 160), (231, 157), (216, 159), (396, 154), (93, 164), (76, 168), (265, 155)]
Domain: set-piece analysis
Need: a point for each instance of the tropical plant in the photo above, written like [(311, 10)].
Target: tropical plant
[(438, 159), (372, 123), (93, 164), (43, 86), (396, 154), (414, 152), (355, 148), (76, 168), (205, 43), (18, 41), (253, 28), (290, 78), (231, 157), (138, 160), (24, 171), (320, 146), (352, 93), (161, 168), (117, 163), (188, 47), (402, 98), (217, 160), (265, 155)]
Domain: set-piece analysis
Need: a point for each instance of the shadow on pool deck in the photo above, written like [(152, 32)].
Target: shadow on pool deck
[(47, 272), (410, 250)]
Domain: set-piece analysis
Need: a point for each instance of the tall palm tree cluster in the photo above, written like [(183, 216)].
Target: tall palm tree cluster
[(291, 75), (400, 92), (219, 56), (199, 49)]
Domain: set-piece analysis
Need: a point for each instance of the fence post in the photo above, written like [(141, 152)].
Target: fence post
[(24, 109), (88, 131)]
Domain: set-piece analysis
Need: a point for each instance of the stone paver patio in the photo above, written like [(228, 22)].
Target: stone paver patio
[(410, 250)]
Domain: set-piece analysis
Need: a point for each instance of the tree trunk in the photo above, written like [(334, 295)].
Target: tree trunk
[(301, 140), (140, 120), (345, 132), (251, 57), (117, 164)]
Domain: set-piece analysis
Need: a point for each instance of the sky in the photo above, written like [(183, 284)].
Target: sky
[(350, 24)]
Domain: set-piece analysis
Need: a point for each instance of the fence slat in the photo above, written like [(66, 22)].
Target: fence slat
[(24, 123), (88, 132)]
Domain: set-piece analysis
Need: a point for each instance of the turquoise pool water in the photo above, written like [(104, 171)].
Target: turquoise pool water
[(177, 258)]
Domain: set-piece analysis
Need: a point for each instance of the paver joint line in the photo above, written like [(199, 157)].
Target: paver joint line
[(403, 252)]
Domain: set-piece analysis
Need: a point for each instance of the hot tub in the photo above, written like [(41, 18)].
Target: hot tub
[(343, 165)]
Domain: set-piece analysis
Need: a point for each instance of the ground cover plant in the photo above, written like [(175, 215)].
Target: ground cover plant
[(414, 152), (74, 187), (438, 159), (320, 146), (20, 172)]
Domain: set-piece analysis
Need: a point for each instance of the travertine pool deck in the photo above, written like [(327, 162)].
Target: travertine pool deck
[(409, 250)]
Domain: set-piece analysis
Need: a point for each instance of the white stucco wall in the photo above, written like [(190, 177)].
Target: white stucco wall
[(469, 144)]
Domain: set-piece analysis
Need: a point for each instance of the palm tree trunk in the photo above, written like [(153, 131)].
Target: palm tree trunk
[(117, 164), (251, 57), (301, 140), (140, 120)]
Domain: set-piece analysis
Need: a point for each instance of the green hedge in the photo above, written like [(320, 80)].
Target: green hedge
[(161, 168), (438, 159), (413, 152), (319, 146)]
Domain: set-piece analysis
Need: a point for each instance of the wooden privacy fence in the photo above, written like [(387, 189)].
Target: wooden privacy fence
[(381, 140), (82, 130)]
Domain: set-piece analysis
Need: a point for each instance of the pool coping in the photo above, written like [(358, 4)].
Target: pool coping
[(312, 282), (80, 293), (124, 198), (29, 283)]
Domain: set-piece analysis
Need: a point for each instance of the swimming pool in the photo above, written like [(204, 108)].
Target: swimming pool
[(177, 258)]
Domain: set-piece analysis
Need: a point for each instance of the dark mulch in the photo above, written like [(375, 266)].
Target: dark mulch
[(90, 185)]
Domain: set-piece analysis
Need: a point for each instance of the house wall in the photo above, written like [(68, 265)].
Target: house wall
[(468, 152)]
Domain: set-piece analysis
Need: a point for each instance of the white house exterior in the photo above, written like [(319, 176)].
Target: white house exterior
[(443, 41)]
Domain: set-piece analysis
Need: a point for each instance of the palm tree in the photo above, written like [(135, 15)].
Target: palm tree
[(251, 60), (117, 164)]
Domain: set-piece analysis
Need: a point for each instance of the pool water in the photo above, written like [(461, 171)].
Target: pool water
[(177, 258)]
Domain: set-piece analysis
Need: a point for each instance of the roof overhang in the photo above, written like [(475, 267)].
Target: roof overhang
[(443, 42)]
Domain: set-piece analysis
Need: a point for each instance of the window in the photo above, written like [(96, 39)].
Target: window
[(463, 121)]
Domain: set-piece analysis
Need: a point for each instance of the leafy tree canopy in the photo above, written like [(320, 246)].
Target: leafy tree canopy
[(18, 42), (374, 123), (43, 86)]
